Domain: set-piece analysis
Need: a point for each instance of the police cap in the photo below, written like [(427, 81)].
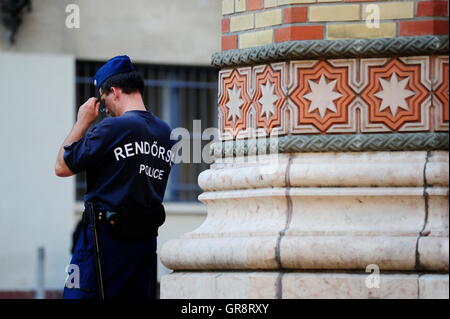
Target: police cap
[(118, 64)]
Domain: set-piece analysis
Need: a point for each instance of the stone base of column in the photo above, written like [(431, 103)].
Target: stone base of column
[(309, 225), (302, 285)]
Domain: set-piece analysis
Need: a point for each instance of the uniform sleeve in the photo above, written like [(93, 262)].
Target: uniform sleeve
[(89, 151)]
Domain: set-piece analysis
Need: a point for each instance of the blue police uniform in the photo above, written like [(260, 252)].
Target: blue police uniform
[(127, 161)]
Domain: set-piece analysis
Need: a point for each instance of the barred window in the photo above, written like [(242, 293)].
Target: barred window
[(176, 94)]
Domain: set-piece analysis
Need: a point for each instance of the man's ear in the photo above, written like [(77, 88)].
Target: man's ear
[(116, 93)]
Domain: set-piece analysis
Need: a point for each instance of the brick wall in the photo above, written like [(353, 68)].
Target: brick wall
[(250, 23)]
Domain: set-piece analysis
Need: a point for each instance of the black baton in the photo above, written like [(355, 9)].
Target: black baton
[(97, 252)]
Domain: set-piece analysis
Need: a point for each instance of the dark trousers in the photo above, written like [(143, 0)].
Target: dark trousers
[(128, 266)]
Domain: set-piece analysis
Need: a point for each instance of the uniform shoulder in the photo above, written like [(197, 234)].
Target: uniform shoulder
[(106, 124), (114, 122), (164, 126), (127, 122), (109, 126)]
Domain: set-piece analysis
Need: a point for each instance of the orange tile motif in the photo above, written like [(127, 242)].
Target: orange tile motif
[(395, 94), (269, 98), (440, 90), (235, 101), (340, 96), (441, 93), (324, 95)]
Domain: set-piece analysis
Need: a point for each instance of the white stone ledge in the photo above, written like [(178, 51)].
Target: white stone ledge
[(390, 215), (245, 234), (220, 253), (317, 228), (308, 252), (302, 285), (434, 253), (437, 169), (355, 252), (253, 212), (323, 191), (433, 286), (365, 169)]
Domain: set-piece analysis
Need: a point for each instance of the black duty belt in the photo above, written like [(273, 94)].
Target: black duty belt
[(99, 216), (130, 222)]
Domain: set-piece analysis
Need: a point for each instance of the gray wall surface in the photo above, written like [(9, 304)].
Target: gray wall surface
[(149, 31), (36, 207)]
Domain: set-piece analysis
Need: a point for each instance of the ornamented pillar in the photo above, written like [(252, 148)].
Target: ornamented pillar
[(333, 159)]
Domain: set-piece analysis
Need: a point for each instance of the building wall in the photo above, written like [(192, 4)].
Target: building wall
[(251, 23), (36, 207), (150, 31)]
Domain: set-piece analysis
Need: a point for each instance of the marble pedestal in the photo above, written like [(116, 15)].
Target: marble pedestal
[(309, 225)]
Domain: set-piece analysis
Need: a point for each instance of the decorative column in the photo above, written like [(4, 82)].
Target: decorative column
[(331, 176)]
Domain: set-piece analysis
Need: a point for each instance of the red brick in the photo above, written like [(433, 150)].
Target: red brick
[(255, 5), (229, 42), (436, 8), (17, 294), (225, 25), (309, 32), (425, 27), (295, 14)]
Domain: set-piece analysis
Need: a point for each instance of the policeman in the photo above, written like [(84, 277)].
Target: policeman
[(127, 158)]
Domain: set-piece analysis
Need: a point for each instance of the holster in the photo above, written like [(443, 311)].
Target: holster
[(136, 223)]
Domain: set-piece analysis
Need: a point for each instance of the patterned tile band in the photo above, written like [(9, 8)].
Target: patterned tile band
[(332, 143), (335, 96), (328, 49)]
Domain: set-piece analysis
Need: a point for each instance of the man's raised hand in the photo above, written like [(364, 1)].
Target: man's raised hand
[(88, 112)]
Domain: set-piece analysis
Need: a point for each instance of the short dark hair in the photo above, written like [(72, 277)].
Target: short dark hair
[(130, 82)]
